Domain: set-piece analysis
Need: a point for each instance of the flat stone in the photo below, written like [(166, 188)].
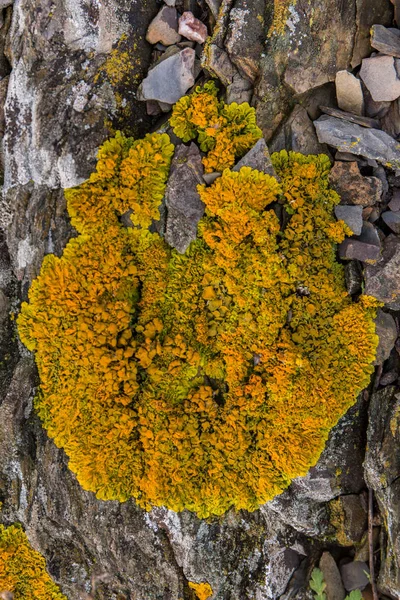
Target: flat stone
[(257, 158), (382, 280), (386, 330), (385, 40), (351, 215), (184, 207), (348, 137), (346, 116), (164, 27), (334, 587), (298, 134), (394, 204), (392, 220), (349, 93), (365, 247), (355, 575), (380, 76), (192, 28), (169, 80), (353, 188)]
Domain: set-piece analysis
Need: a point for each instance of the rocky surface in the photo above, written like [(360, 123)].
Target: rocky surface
[(71, 71)]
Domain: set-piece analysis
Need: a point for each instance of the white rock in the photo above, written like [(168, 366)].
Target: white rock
[(380, 76), (349, 93)]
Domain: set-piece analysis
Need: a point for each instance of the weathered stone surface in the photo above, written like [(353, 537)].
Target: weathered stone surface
[(355, 575), (392, 220), (184, 207), (380, 76), (365, 247), (192, 28), (375, 110), (386, 330), (382, 468), (246, 36), (390, 122), (240, 90), (170, 79), (394, 203), (353, 276), (383, 279), (353, 188), (257, 158), (384, 40), (348, 137), (351, 215), (298, 134), (334, 586), (368, 13), (351, 118), (164, 27), (218, 63), (349, 93)]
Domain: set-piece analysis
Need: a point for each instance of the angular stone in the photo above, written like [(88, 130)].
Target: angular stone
[(192, 28), (375, 110), (346, 116), (380, 76), (368, 13), (391, 120), (353, 277), (365, 247), (351, 215), (349, 93), (245, 38), (334, 587), (353, 188), (386, 330), (257, 158), (383, 279), (184, 207), (218, 63), (298, 134), (348, 137), (392, 220), (349, 516), (394, 204), (209, 178), (169, 80), (385, 41), (240, 90), (164, 27), (355, 575)]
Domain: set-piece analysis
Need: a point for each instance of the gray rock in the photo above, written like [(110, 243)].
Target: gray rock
[(369, 12), (346, 116), (348, 137), (349, 93), (170, 2), (218, 63), (383, 279), (392, 220), (353, 276), (365, 247), (380, 76), (375, 110), (385, 40), (169, 80), (334, 587), (240, 90), (394, 204), (386, 330), (245, 37), (257, 158), (355, 575), (298, 134), (164, 27), (351, 215), (390, 122), (192, 28), (184, 207), (209, 178), (353, 188)]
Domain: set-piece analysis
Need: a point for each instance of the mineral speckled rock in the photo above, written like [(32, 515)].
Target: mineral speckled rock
[(164, 27), (349, 93), (169, 80), (348, 137), (379, 74), (184, 207), (383, 279), (352, 187)]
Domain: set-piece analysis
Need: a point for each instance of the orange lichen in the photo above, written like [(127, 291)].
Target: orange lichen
[(22, 569), (203, 591), (205, 380)]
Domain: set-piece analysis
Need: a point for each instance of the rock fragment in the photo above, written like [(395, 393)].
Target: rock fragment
[(170, 79), (380, 76), (365, 247), (184, 207), (355, 575), (386, 330), (384, 40), (353, 188), (349, 93), (334, 587), (353, 277), (382, 280), (391, 120), (298, 134), (192, 28), (218, 63), (348, 137), (394, 204), (164, 27), (240, 90), (257, 158), (347, 116), (392, 220), (351, 215)]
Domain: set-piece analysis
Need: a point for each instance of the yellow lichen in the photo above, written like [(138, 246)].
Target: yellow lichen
[(205, 380), (203, 591), (22, 569), (281, 14)]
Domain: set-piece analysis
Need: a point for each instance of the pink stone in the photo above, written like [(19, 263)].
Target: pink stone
[(191, 28)]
